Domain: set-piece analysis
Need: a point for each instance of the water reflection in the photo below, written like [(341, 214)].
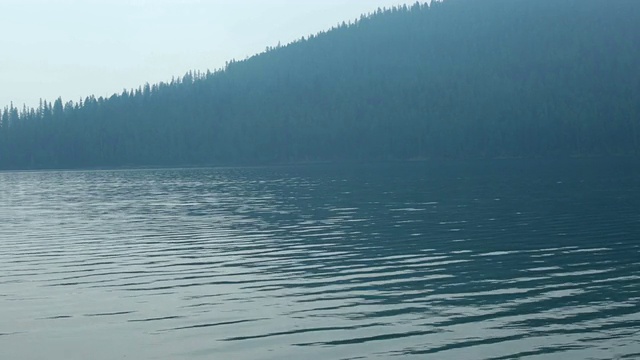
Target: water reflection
[(453, 261)]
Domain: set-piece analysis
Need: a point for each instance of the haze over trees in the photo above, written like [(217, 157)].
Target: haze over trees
[(456, 79)]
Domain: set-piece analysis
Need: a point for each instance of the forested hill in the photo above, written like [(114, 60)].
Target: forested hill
[(456, 79)]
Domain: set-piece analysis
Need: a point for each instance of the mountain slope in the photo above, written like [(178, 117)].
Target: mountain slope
[(459, 78)]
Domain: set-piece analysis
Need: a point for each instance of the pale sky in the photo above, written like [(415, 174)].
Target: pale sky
[(76, 48)]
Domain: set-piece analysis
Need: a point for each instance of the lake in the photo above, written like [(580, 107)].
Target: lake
[(504, 259)]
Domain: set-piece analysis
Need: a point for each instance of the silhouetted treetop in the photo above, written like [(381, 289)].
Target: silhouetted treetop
[(454, 79)]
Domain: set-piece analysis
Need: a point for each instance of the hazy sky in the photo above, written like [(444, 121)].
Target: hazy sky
[(69, 48)]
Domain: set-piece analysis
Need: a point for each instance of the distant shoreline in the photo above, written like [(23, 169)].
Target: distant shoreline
[(324, 162)]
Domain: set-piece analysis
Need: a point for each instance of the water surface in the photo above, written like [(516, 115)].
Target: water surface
[(491, 260)]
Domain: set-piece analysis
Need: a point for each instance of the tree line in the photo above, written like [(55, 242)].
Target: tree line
[(453, 79)]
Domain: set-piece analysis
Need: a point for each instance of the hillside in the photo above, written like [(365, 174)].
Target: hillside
[(457, 79)]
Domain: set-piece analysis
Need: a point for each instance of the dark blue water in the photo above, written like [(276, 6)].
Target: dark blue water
[(485, 260)]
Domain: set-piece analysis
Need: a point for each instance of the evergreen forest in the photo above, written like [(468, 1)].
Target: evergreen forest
[(452, 79)]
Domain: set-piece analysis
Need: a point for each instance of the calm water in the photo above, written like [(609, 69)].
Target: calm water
[(494, 260)]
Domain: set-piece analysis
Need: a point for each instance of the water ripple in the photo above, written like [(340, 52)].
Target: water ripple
[(316, 262)]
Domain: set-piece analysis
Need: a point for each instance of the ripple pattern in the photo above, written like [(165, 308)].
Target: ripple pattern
[(319, 262)]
